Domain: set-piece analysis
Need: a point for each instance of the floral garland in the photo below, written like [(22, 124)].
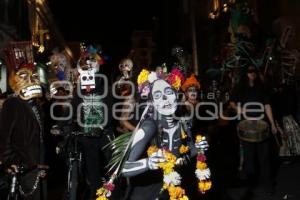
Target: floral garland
[(202, 171), (105, 191), (172, 179)]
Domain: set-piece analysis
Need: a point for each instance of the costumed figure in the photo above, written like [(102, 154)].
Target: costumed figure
[(59, 66), (159, 145), (126, 91), (91, 117), (22, 126)]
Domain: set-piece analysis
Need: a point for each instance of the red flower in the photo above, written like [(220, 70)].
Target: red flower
[(109, 186), (201, 157)]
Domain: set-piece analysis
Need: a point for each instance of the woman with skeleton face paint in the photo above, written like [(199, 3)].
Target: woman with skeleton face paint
[(191, 87), (159, 128)]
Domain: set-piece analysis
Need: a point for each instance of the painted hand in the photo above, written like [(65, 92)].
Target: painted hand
[(155, 159)]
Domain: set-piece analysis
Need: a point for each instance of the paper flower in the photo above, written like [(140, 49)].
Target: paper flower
[(143, 76), (175, 79), (152, 77), (203, 174), (172, 178), (202, 171), (183, 149), (105, 192)]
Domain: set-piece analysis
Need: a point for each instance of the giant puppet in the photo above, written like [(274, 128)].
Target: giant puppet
[(21, 126)]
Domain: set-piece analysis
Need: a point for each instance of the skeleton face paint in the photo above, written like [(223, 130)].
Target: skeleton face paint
[(164, 98), (26, 84), (192, 93)]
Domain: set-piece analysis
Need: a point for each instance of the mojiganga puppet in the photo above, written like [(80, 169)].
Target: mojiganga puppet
[(21, 124)]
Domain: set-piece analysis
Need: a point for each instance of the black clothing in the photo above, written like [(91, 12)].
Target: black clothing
[(92, 117), (251, 95), (145, 183), (20, 133), (257, 157), (22, 141)]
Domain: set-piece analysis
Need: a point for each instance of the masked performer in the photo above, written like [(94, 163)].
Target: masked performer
[(21, 130), (91, 115), (159, 128), (125, 89)]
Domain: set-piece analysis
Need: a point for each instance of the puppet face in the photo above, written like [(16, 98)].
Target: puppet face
[(59, 63), (192, 93), (26, 84), (125, 67), (89, 61), (164, 98)]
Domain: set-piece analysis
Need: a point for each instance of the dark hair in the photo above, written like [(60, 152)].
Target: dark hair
[(243, 84)]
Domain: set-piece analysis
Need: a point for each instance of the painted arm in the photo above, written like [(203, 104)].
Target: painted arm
[(136, 164)]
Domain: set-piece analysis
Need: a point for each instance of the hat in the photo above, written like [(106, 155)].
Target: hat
[(189, 82)]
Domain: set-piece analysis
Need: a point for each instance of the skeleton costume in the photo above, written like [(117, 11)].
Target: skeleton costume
[(163, 130), (91, 116), (22, 126)]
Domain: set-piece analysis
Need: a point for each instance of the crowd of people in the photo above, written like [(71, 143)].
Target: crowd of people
[(155, 130)]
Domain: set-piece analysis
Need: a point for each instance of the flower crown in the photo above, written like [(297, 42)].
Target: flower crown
[(175, 78), (90, 52)]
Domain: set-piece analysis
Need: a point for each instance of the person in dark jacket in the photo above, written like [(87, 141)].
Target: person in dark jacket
[(22, 131)]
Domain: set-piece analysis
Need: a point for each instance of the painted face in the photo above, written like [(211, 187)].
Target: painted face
[(164, 98), (26, 84), (192, 93)]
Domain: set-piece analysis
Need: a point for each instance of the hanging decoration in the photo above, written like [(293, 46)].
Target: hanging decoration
[(43, 27), (218, 6)]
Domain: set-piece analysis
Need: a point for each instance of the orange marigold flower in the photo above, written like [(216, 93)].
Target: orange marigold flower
[(183, 149), (151, 150), (201, 165), (198, 138)]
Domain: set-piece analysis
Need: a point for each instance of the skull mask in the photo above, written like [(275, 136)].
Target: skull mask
[(125, 67), (164, 98), (87, 79), (87, 66)]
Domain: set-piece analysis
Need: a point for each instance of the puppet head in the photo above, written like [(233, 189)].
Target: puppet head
[(25, 82), (125, 68), (60, 65), (88, 65), (23, 78)]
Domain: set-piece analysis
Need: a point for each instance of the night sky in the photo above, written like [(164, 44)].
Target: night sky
[(108, 23)]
